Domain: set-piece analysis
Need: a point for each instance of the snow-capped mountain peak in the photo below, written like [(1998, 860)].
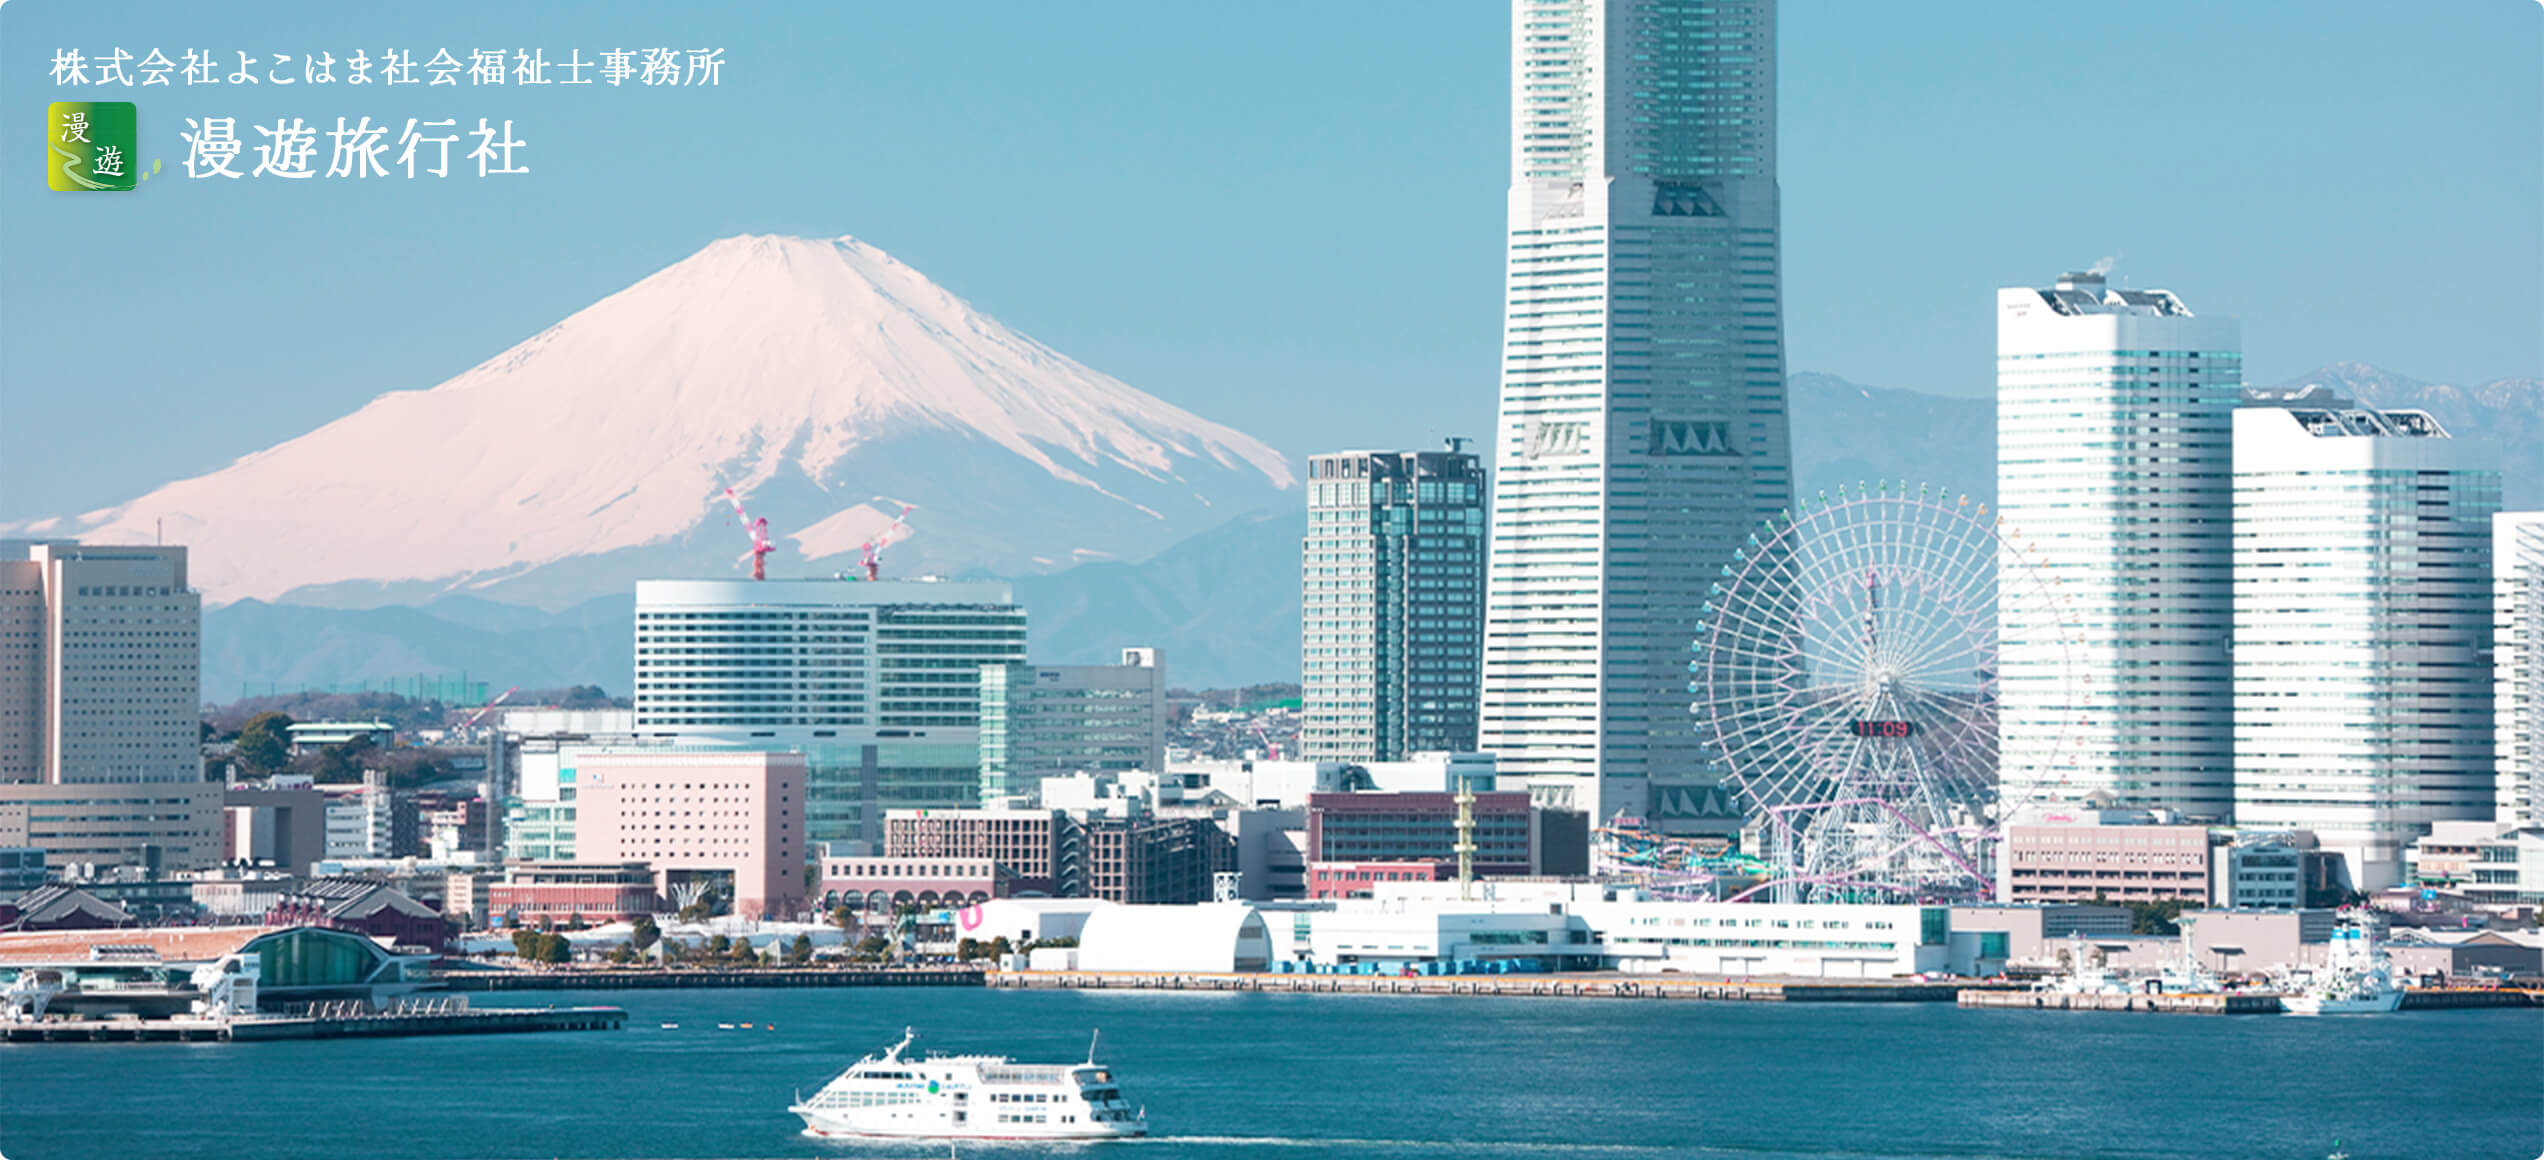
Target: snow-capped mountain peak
[(809, 375)]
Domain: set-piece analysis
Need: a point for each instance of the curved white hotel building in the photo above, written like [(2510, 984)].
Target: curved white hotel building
[(2115, 454), (2362, 628), (1642, 429), (876, 683)]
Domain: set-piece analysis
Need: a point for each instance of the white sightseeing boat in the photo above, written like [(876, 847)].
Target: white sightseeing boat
[(2357, 978), (971, 1097)]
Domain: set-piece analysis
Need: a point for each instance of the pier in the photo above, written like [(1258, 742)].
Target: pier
[(341, 1021), (2240, 1003), (640, 979), (1575, 986)]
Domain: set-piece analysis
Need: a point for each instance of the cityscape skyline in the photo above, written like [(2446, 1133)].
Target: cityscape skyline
[(2242, 243), (1619, 721)]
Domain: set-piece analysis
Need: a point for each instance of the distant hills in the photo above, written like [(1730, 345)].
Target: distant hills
[(1224, 603), (2503, 419)]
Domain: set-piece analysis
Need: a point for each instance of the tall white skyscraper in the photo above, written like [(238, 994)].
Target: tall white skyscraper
[(2517, 644), (2362, 628), (1642, 431), (2114, 477)]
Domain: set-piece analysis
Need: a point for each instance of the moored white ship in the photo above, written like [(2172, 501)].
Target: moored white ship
[(974, 1097), (2357, 978)]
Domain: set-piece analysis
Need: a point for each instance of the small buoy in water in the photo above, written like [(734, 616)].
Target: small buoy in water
[(724, 1026), (746, 1027), (671, 1027)]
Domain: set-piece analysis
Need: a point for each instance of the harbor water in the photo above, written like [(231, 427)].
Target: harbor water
[(1305, 1077)]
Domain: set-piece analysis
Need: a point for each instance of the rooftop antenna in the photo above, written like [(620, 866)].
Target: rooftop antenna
[(1457, 443)]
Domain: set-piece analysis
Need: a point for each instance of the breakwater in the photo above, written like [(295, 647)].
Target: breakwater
[(642, 980), (1516, 986), (332, 1025)]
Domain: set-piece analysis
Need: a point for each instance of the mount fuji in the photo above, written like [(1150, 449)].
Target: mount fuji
[(812, 376)]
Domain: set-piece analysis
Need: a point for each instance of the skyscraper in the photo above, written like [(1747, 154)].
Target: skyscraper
[(100, 750), (2362, 628), (1393, 604), (2517, 644), (1642, 431), (2115, 457)]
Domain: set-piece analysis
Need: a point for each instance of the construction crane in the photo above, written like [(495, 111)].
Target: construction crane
[(488, 707), (870, 553), (760, 545)]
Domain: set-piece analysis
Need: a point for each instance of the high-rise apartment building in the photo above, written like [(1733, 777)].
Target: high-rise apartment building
[(1642, 430), (100, 661), (2517, 652), (2362, 602), (876, 683), (2115, 457), (1392, 588), (1039, 721)]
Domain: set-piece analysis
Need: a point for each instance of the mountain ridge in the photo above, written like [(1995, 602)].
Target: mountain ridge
[(811, 376), (1224, 603)]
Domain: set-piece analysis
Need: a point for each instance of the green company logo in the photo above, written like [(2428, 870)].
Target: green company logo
[(90, 145)]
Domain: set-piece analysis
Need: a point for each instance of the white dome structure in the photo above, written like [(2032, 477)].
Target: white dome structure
[(1210, 937)]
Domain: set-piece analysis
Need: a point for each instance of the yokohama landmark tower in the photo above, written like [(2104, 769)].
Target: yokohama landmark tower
[(1642, 431)]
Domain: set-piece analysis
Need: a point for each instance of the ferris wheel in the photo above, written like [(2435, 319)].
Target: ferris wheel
[(1847, 678)]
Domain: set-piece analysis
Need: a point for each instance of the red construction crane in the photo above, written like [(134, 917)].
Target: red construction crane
[(489, 707), (870, 553), (760, 545)]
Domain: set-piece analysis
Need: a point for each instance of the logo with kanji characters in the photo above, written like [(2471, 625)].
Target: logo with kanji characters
[(90, 145)]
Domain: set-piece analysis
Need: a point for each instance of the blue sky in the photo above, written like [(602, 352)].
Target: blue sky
[(1285, 217)]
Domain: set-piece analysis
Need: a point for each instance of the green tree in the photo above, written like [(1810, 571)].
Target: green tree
[(2157, 917), (801, 950), (554, 949), (845, 918), (622, 954), (264, 743), (719, 946), (966, 949), (642, 934), (998, 948), (872, 949)]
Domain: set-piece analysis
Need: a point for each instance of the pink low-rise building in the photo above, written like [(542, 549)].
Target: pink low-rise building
[(687, 814), (880, 884), (1354, 879), (2086, 855)]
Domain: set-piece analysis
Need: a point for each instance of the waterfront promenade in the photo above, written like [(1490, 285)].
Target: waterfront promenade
[(1998, 994), (1553, 986), (642, 979)]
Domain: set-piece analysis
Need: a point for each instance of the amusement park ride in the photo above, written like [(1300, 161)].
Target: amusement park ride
[(1847, 681)]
